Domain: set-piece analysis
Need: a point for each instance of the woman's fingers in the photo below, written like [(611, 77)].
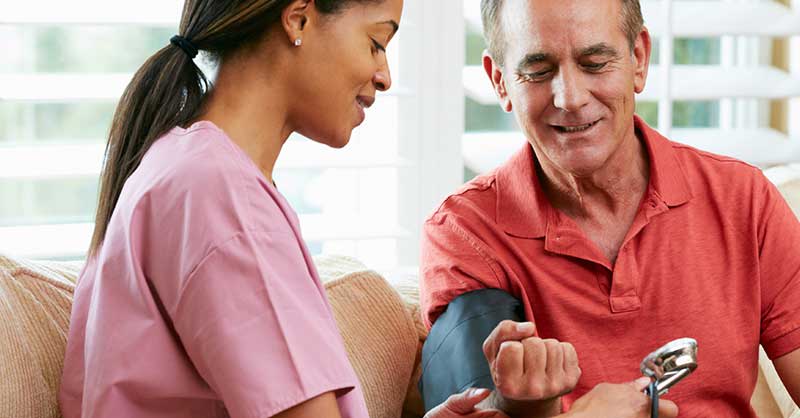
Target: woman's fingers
[(464, 402)]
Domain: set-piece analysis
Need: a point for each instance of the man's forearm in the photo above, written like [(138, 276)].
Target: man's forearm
[(522, 409)]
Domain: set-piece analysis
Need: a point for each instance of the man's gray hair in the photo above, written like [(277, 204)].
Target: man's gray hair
[(632, 23)]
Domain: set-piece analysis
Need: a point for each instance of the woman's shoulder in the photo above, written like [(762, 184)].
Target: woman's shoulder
[(199, 172), (195, 190), (198, 156)]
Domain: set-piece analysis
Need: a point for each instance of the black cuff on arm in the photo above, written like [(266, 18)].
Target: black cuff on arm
[(452, 356)]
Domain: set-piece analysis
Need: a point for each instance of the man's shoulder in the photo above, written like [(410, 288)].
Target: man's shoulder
[(476, 197), (707, 169)]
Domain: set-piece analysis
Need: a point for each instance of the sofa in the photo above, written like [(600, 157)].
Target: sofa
[(380, 323)]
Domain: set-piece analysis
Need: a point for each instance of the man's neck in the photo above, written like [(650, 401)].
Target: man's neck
[(603, 204), (611, 190)]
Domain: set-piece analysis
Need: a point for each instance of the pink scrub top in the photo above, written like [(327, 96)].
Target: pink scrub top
[(203, 300)]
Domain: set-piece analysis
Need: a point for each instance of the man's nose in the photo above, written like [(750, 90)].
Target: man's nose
[(570, 90)]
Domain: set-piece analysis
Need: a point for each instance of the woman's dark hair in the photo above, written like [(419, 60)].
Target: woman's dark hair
[(168, 90)]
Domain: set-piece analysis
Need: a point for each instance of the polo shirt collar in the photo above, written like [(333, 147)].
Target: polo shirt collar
[(523, 209)]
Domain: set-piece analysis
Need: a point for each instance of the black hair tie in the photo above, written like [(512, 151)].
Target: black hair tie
[(184, 44)]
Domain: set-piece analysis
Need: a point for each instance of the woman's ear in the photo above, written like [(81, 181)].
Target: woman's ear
[(294, 19)]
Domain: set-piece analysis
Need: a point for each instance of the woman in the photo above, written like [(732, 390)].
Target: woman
[(199, 298)]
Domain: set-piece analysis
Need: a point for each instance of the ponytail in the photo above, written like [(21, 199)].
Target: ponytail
[(168, 90)]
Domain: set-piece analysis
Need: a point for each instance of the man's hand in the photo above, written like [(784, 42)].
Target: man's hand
[(463, 405), (619, 401), (530, 374)]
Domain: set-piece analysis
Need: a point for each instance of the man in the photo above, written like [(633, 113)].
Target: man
[(612, 238)]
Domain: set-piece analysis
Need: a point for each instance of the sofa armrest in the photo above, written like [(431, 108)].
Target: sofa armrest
[(782, 399)]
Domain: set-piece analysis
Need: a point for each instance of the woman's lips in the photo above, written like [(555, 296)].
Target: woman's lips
[(362, 103)]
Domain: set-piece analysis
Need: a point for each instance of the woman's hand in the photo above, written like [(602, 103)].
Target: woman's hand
[(463, 405), (624, 400)]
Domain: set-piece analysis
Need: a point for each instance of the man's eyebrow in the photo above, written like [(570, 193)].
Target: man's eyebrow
[(599, 49), (531, 59)]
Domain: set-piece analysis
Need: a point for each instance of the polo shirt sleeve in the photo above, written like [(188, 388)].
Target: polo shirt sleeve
[(452, 262), (258, 328), (779, 260)]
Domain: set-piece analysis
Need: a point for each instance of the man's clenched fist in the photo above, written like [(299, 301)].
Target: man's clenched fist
[(527, 368)]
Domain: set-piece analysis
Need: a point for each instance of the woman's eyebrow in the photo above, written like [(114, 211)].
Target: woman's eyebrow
[(391, 23)]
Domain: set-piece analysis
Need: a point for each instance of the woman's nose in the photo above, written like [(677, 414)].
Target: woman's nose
[(382, 79)]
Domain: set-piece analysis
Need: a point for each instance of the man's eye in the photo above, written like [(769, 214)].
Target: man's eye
[(594, 66), (536, 75)]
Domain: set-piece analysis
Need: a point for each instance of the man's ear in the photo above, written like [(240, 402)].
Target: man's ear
[(641, 59), (295, 17), (495, 73)]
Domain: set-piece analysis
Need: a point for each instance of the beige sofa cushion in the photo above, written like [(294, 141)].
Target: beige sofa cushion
[(408, 288), (378, 332), (35, 301), (791, 192)]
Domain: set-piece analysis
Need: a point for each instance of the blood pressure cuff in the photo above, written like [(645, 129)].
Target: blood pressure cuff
[(452, 356)]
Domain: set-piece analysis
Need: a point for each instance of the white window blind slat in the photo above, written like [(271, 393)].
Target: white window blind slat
[(54, 88), (72, 240), (697, 19), (477, 85), (762, 147), (46, 241), (157, 13), (61, 159), (93, 12), (49, 160), (689, 82), (706, 82), (783, 174), (705, 18), (63, 88)]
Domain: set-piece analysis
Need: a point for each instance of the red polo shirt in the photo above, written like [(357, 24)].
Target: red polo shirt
[(713, 254)]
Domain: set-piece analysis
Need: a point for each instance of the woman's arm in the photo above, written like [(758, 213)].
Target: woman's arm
[(323, 406)]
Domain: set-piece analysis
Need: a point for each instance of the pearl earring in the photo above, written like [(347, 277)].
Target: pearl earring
[(298, 42)]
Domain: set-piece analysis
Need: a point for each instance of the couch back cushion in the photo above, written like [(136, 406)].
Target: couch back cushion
[(378, 332), (35, 301), (791, 192)]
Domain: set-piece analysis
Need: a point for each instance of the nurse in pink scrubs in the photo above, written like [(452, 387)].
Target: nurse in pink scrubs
[(199, 297)]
